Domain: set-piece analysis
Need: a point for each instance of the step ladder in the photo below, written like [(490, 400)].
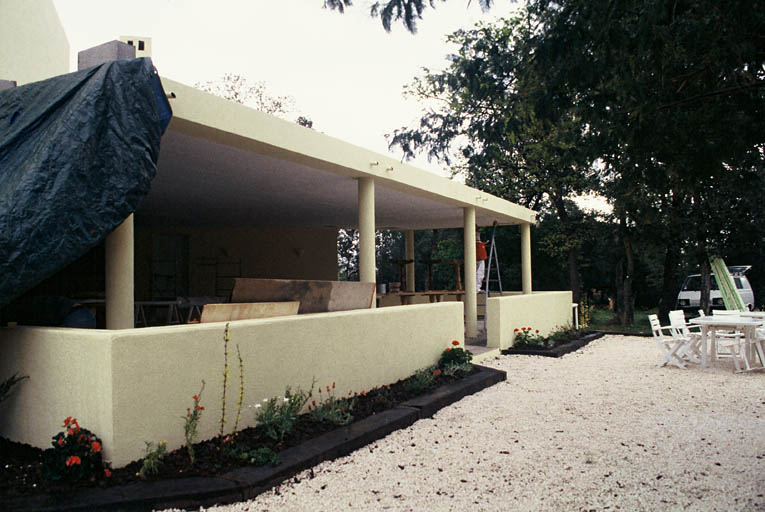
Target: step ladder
[(492, 263)]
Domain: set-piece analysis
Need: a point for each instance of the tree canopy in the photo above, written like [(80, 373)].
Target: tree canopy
[(409, 12), (657, 105)]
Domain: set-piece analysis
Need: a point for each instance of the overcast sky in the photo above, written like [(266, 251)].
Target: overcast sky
[(343, 71)]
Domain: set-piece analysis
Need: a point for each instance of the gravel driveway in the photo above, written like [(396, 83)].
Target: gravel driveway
[(599, 429)]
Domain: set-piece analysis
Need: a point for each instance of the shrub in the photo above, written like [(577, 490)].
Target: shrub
[(278, 415), (75, 455), (333, 410), (528, 337), (455, 358)]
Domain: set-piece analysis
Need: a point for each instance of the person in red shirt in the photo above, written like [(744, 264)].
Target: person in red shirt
[(480, 260)]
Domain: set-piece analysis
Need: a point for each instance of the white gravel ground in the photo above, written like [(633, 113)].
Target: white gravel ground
[(599, 429)]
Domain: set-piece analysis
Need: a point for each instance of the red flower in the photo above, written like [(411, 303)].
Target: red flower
[(60, 441), (195, 397), (537, 331), (455, 342), (516, 330), (436, 372), (67, 421), (72, 460), (107, 472), (70, 431), (327, 389), (333, 385), (448, 349), (363, 393), (95, 447)]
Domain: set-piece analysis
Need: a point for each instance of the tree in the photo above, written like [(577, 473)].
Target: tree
[(495, 115), (407, 11), (673, 96), (234, 87)]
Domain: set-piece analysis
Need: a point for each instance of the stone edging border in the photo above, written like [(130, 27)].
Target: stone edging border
[(558, 351), (247, 482)]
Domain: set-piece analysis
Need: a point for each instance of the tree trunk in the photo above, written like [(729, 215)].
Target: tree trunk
[(669, 285), (629, 299), (573, 252), (706, 284), (625, 302)]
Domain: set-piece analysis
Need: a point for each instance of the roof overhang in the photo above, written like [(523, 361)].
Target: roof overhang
[(222, 163)]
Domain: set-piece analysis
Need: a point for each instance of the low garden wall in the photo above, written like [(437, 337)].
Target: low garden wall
[(539, 310), (134, 385)]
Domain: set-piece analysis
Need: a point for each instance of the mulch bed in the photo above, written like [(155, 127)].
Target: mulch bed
[(556, 351), (21, 464)]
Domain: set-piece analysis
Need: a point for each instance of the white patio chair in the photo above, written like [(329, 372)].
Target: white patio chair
[(682, 331), (672, 347)]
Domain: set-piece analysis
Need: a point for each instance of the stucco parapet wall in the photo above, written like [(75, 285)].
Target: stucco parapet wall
[(544, 311), (133, 385), (200, 114)]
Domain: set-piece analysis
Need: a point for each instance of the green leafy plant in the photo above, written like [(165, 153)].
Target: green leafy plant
[(332, 409), (278, 415), (75, 455), (8, 384), (255, 456), (455, 357), (423, 380), (153, 459), (191, 423)]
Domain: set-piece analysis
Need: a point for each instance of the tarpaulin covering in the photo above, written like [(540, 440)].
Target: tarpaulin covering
[(77, 155)]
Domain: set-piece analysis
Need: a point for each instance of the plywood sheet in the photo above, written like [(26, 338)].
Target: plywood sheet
[(314, 296), (247, 311)]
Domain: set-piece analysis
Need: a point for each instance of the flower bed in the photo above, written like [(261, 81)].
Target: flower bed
[(23, 469), (560, 342)]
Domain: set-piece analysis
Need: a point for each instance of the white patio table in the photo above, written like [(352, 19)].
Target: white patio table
[(738, 323)]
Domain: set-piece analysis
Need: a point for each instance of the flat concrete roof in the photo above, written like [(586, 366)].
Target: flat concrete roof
[(222, 163)]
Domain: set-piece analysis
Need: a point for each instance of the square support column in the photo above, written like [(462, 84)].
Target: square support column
[(367, 264), (471, 302), (409, 255), (119, 265), (526, 257)]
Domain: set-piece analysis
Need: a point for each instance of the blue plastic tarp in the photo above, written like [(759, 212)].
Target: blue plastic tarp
[(77, 155)]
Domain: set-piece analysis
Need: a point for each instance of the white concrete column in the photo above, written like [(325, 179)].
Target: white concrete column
[(409, 255), (526, 257), (367, 265), (471, 305), (119, 277)]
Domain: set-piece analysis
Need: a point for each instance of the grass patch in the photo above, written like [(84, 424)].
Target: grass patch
[(603, 319)]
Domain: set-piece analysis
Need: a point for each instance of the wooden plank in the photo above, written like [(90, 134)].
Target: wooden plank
[(314, 296), (247, 311)]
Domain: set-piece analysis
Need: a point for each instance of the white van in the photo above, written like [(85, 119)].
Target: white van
[(690, 293)]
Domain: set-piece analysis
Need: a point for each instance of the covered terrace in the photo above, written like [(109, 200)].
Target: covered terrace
[(239, 186)]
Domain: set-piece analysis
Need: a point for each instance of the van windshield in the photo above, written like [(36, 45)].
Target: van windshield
[(693, 284)]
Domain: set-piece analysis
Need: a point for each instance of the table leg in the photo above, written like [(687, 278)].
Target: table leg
[(704, 341), (713, 343)]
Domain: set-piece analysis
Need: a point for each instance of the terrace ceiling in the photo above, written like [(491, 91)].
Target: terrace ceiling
[(209, 174)]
